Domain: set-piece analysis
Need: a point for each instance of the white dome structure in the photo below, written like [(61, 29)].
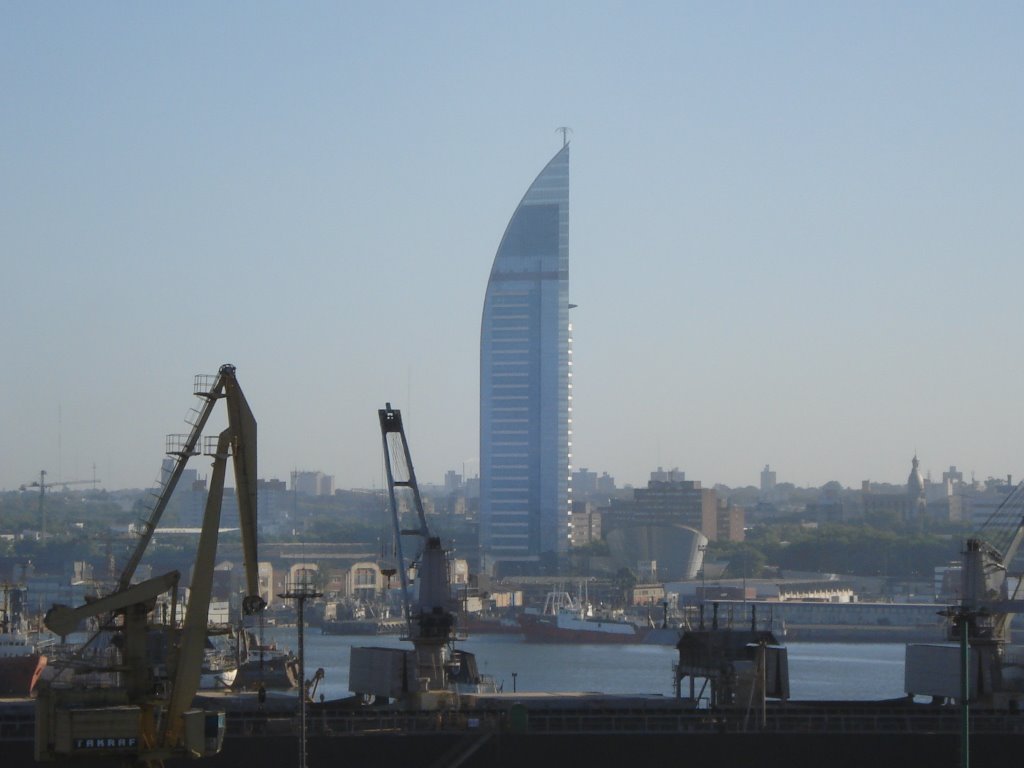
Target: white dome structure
[(915, 482)]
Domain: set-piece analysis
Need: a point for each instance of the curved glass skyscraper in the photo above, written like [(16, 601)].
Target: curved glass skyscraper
[(526, 379)]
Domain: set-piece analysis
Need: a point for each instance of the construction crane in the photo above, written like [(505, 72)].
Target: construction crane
[(147, 719), (42, 485)]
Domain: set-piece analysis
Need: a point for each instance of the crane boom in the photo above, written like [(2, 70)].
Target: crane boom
[(182, 455), (193, 638), (243, 450), (431, 621), (63, 620), (431, 674)]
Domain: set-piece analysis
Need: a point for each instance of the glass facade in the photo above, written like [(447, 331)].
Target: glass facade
[(526, 378)]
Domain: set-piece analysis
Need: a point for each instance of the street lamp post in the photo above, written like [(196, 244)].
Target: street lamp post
[(964, 619), (702, 548), (302, 591)]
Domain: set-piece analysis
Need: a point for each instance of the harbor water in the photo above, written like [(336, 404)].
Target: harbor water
[(817, 671)]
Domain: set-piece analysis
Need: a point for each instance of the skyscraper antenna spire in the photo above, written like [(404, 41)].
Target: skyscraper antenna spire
[(565, 134)]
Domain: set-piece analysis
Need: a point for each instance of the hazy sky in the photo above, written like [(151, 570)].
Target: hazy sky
[(796, 229)]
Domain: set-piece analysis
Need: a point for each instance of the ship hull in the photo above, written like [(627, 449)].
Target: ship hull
[(473, 625), (595, 730), (763, 750), (362, 627), (478, 749), (555, 629), (18, 674), (278, 672)]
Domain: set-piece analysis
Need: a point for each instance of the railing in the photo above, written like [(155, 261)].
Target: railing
[(19, 725), (203, 383), (827, 720)]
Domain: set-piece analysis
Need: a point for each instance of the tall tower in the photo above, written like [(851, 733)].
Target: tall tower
[(767, 481), (526, 379), (915, 490)]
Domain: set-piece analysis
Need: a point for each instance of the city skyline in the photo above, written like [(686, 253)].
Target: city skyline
[(308, 478), (794, 231)]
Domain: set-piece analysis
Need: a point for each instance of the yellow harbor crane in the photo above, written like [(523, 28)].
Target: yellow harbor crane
[(148, 716)]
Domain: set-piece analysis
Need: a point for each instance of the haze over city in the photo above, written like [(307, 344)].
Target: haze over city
[(794, 238)]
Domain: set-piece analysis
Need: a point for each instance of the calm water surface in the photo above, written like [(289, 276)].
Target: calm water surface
[(816, 670)]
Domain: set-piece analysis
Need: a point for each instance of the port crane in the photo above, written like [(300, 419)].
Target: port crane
[(983, 671), (42, 485), (430, 621), (148, 718), (431, 675), (987, 605)]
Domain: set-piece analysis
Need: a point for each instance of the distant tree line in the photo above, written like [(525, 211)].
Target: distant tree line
[(860, 550)]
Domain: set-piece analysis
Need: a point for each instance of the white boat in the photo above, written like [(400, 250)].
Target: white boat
[(568, 620)]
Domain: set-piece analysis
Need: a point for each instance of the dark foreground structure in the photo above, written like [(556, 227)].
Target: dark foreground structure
[(512, 731)]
